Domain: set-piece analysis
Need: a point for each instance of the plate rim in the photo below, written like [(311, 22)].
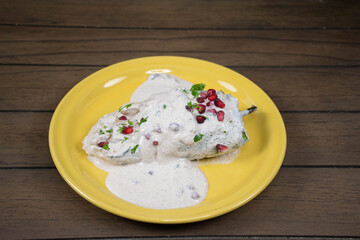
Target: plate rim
[(213, 214)]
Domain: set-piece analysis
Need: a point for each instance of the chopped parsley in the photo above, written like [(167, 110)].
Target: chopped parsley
[(101, 132), (184, 90), (224, 131), (125, 106), (196, 89), (244, 136), (192, 105), (120, 109), (230, 121), (105, 127), (198, 137), (125, 138), (106, 147), (142, 120), (120, 129), (130, 123), (133, 150), (109, 131), (164, 106)]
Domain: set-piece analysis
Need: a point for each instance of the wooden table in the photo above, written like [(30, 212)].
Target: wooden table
[(304, 54)]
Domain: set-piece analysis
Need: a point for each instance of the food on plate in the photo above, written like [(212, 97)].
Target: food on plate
[(147, 143)]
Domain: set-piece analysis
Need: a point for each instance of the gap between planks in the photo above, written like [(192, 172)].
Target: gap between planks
[(283, 166), (300, 111), (225, 237), (182, 29), (235, 66)]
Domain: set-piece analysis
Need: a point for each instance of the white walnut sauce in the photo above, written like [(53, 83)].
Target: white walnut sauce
[(151, 166)]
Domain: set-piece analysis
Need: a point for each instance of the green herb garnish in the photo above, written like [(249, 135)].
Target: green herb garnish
[(198, 137), (230, 121), (109, 131), (125, 106), (125, 138), (120, 129), (130, 123), (101, 132), (105, 127), (133, 150), (224, 131), (164, 106), (196, 89), (192, 105), (142, 120), (184, 90), (106, 147)]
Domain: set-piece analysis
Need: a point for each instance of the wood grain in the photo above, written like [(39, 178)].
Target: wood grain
[(300, 202), (72, 46), (38, 88), (183, 14), (292, 89), (309, 89), (314, 139), (322, 139), (304, 54)]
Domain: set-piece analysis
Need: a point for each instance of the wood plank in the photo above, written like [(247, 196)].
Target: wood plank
[(309, 89), (38, 88), (292, 89), (314, 139), (322, 139), (69, 46), (24, 140), (183, 14), (300, 202)]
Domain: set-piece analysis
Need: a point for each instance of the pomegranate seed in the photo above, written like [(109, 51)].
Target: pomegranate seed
[(221, 148), (211, 92), (200, 119), (212, 110), (219, 103), (127, 130), (188, 108), (212, 97), (208, 104), (155, 143), (201, 108), (123, 118), (200, 100), (101, 144), (220, 115), (203, 95)]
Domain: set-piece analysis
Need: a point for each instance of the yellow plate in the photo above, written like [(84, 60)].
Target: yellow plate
[(230, 185)]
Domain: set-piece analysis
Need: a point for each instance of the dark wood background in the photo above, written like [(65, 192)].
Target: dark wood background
[(304, 54)]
